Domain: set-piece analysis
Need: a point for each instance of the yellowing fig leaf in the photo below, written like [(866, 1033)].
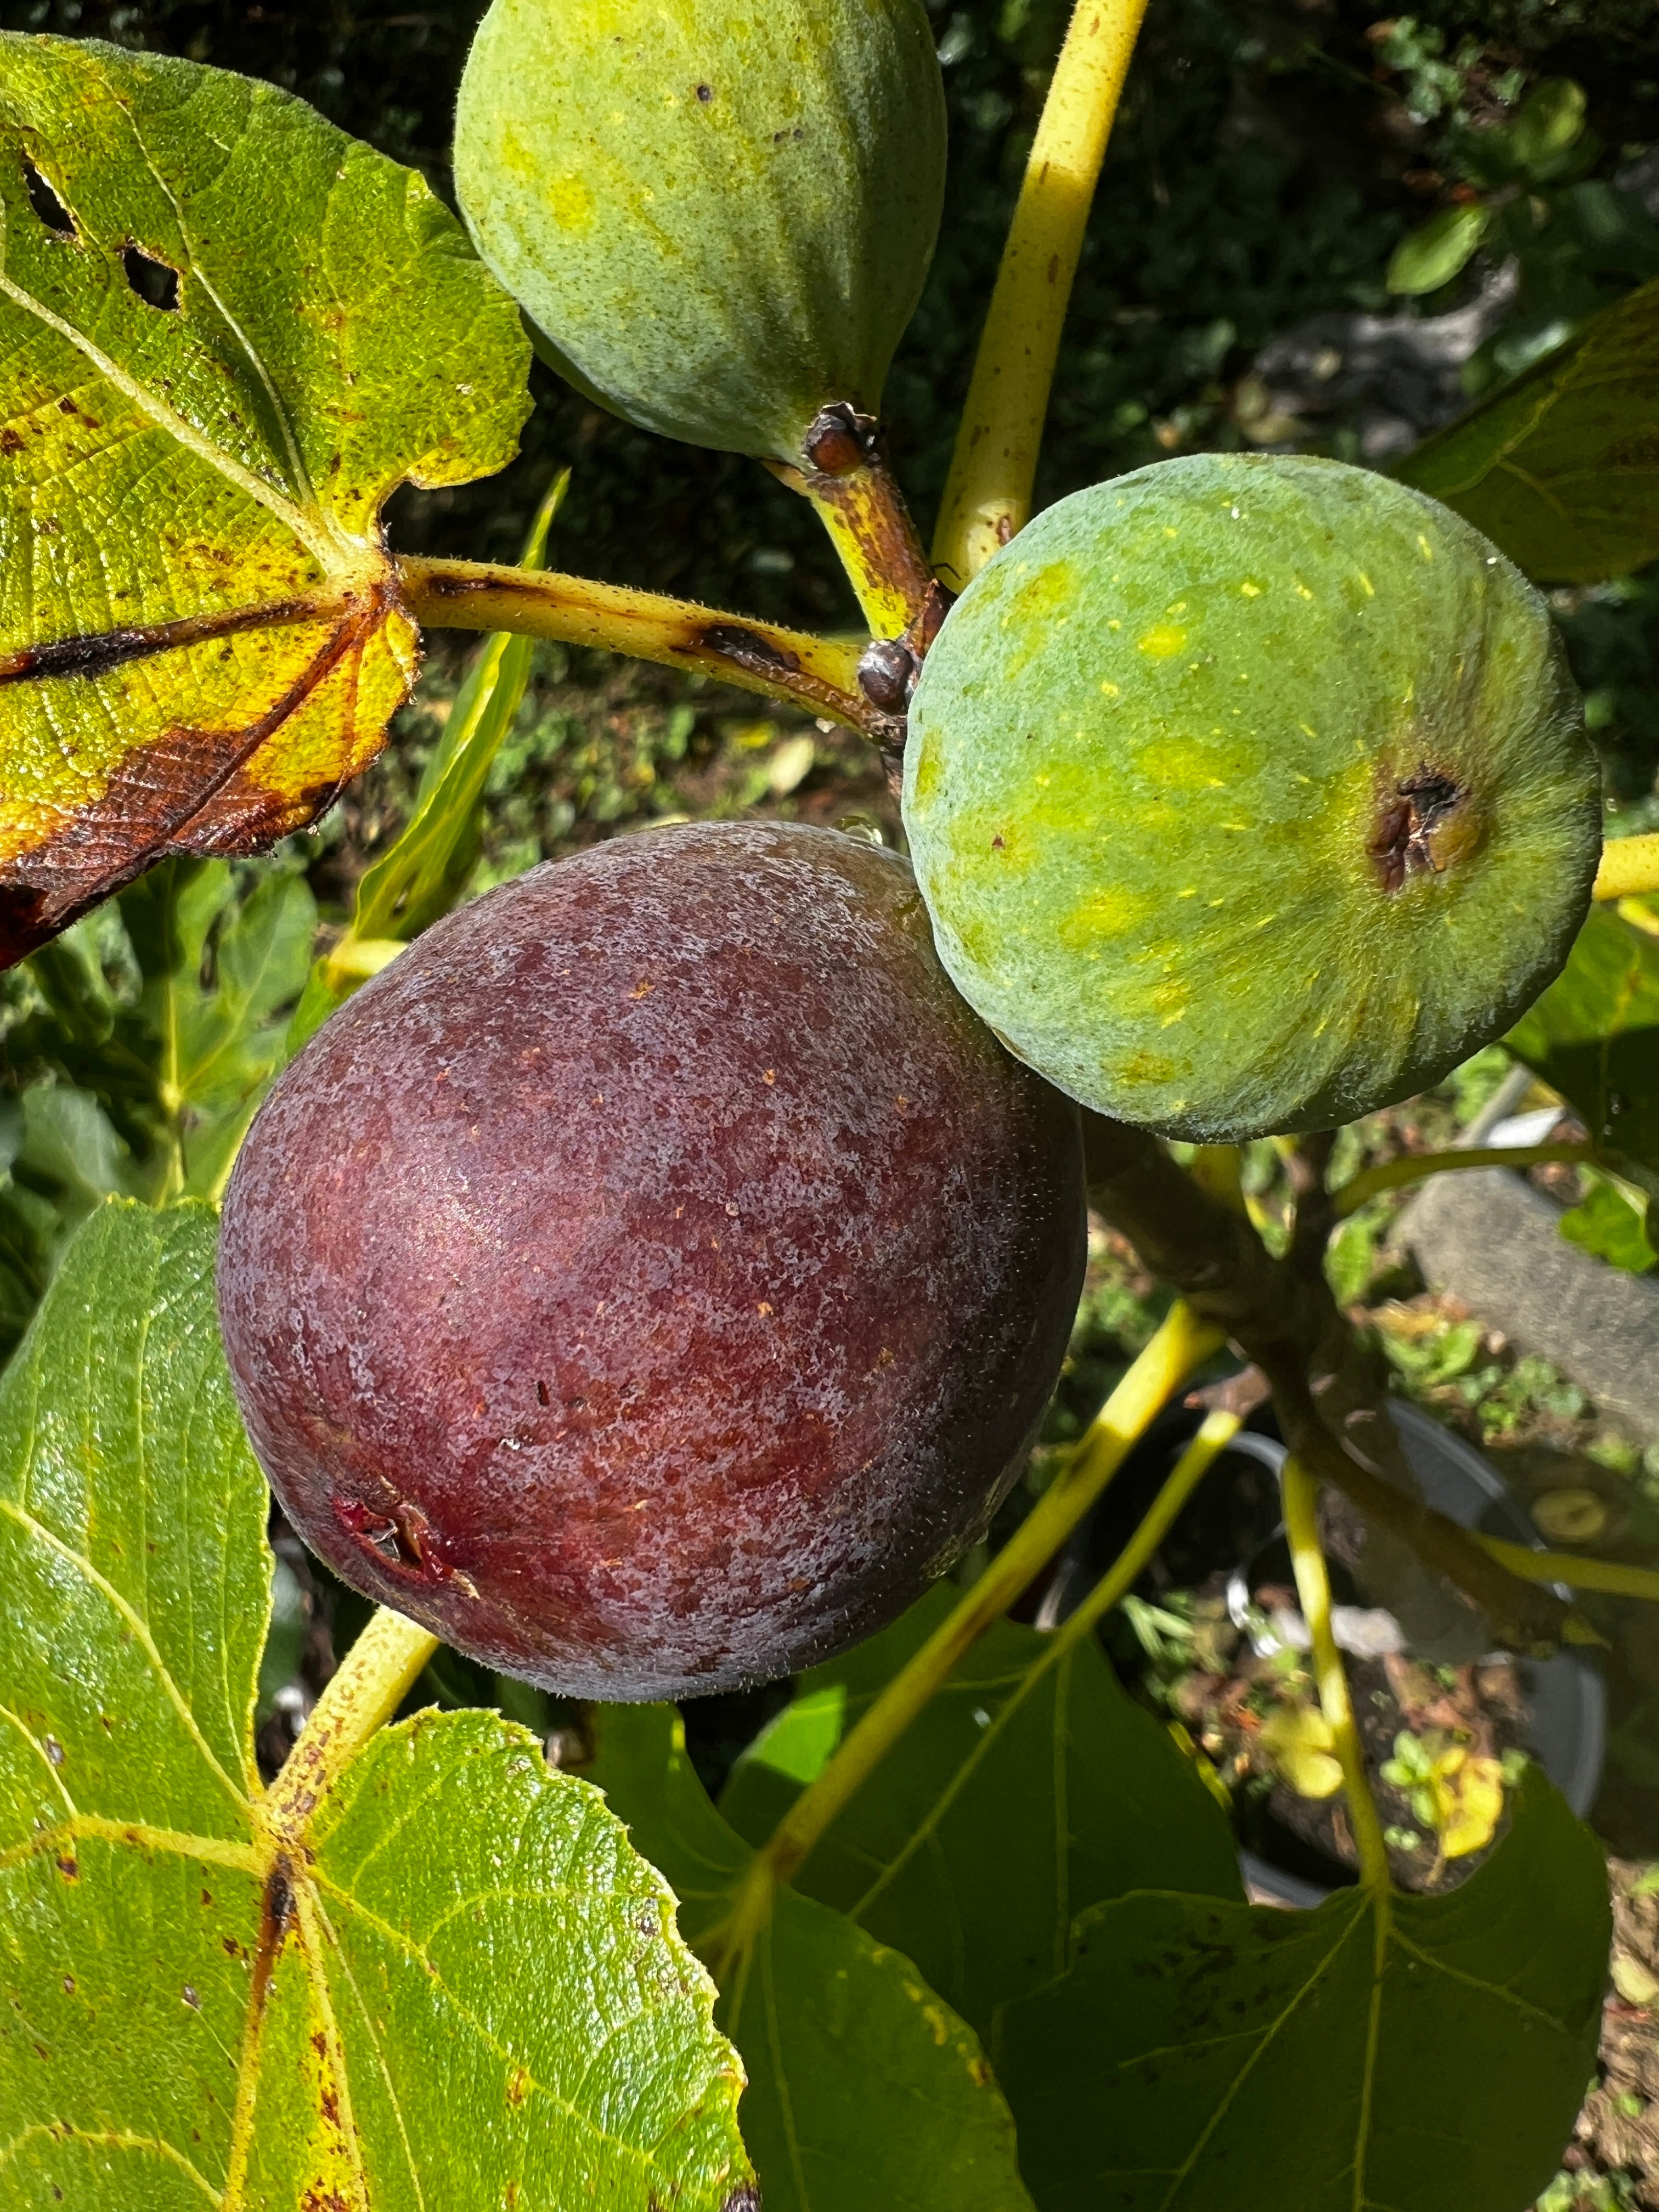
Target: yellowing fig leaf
[(228, 332), (449, 1983)]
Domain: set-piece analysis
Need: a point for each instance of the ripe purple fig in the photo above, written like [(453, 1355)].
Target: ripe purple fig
[(652, 1279)]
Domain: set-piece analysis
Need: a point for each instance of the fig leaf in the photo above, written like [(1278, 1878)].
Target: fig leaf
[(229, 332), (197, 2009), (1029, 1787), (1196, 2053), (864, 2088), (1558, 467), (1594, 1036)]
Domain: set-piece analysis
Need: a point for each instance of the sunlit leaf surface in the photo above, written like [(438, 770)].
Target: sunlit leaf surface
[(228, 331), (459, 1987), (1561, 468)]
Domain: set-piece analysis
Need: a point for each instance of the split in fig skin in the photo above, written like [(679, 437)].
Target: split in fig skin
[(652, 1279)]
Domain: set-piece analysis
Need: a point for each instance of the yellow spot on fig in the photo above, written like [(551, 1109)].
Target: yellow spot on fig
[(930, 767), (1250, 591), (1112, 690), (1107, 913), (1163, 641), (1427, 549), (569, 202)]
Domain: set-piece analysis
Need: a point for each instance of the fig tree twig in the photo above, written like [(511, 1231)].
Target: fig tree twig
[(819, 673), (1630, 866), (1328, 1385), (1413, 1167), (367, 1688), (988, 496), (1313, 1587), (858, 502)]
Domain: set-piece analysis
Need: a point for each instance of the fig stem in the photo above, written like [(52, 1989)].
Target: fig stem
[(1181, 1344), (1611, 1575), (1328, 1385), (1301, 1496), (988, 495), (818, 673), (360, 1696), (1630, 868), (1415, 1167), (870, 527), (1215, 1433)]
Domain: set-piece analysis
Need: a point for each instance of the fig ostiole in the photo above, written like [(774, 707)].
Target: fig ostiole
[(1249, 795), (652, 1281)]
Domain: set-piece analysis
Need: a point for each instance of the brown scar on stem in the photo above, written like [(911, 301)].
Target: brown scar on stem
[(110, 842), (1427, 824)]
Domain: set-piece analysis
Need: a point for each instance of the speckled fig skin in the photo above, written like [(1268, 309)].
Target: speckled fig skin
[(718, 219), (652, 1281), (1250, 793)]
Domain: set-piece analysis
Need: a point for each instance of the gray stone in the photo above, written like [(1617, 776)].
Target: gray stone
[(1492, 1241)]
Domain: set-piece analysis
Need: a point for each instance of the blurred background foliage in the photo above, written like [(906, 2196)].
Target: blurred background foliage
[(1277, 165)]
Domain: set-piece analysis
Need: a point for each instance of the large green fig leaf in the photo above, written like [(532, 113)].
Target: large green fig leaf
[(1560, 469), (228, 332), (1370, 2056), (459, 1986), (1030, 1788), (864, 2088), (1594, 1035)]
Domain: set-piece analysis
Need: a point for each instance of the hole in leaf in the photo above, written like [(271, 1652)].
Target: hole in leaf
[(46, 203), (155, 282)]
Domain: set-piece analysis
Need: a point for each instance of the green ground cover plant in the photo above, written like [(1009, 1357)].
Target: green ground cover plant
[(651, 1275)]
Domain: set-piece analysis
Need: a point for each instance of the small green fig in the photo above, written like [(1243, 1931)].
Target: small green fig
[(1249, 795), (718, 219)]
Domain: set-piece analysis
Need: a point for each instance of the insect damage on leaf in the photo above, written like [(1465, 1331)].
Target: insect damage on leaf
[(204, 405)]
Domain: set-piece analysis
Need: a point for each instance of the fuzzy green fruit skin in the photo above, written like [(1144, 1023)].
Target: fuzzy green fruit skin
[(718, 218), (1153, 795)]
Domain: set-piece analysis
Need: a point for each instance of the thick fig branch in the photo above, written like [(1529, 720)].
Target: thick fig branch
[(1328, 1385)]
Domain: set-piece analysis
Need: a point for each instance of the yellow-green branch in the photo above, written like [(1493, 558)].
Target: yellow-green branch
[(1630, 868), (1608, 1575), (988, 495), (1415, 1167), (1216, 1432), (1301, 1494), (819, 673)]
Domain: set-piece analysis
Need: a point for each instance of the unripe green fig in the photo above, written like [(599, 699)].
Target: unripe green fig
[(1249, 795), (717, 219)]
